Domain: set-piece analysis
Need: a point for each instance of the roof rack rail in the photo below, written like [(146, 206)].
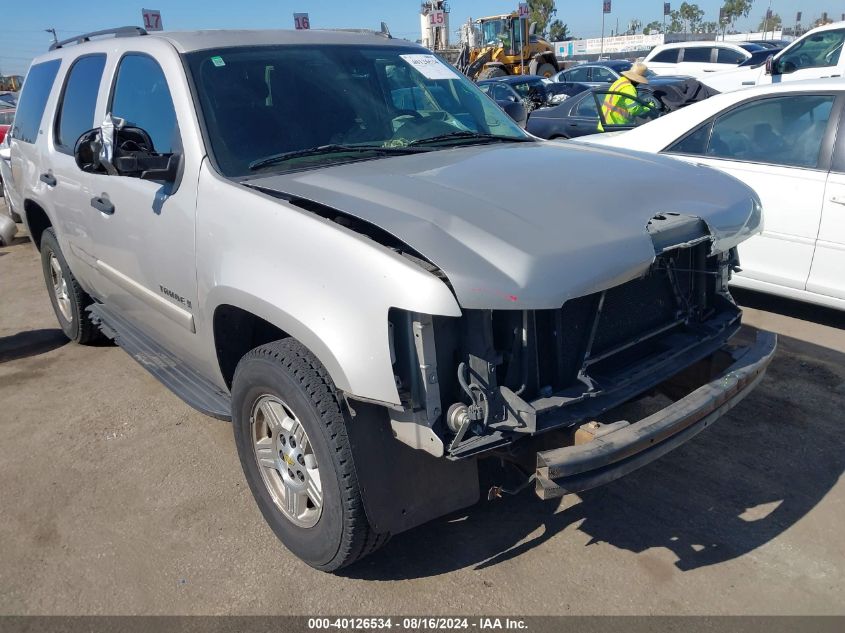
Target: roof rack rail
[(121, 31)]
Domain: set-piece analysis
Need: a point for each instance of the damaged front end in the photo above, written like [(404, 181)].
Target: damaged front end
[(481, 382)]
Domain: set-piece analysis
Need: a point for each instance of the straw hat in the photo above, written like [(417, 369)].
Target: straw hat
[(637, 73)]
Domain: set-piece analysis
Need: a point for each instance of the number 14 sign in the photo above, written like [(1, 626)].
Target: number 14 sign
[(152, 19)]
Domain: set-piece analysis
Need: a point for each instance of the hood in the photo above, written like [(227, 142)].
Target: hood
[(528, 225)]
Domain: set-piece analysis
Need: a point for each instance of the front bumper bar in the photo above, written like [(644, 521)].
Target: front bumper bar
[(608, 457)]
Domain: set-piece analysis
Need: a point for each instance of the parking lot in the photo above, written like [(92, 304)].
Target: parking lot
[(119, 498)]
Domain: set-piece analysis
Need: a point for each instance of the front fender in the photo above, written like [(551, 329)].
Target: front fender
[(322, 283)]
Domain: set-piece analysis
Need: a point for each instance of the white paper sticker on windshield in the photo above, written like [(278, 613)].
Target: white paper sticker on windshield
[(430, 66)]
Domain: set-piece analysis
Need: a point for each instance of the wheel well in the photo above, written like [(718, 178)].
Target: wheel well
[(236, 332), (36, 220)]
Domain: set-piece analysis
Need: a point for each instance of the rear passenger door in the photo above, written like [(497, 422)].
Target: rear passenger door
[(698, 60), (70, 195), (827, 275), (144, 239), (774, 145), (26, 134)]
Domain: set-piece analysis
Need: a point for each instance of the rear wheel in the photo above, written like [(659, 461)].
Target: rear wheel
[(491, 72), (291, 436), (544, 69), (68, 298)]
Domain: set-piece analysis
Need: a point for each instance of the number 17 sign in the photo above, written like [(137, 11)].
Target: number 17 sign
[(152, 19)]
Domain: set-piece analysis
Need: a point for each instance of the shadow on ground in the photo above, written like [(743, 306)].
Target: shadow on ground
[(790, 308), (31, 343), (723, 494)]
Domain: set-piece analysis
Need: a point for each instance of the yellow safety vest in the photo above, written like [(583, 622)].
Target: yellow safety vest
[(618, 110)]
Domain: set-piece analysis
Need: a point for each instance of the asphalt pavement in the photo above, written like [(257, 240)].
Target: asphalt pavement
[(117, 498)]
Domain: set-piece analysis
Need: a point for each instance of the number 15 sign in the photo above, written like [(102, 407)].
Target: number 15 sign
[(152, 19), (301, 21)]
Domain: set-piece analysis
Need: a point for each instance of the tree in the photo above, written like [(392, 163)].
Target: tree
[(652, 27), (559, 32), (541, 11), (691, 14), (733, 10), (772, 24), (676, 23), (709, 27)]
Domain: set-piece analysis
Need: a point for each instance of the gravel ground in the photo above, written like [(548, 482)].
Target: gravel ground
[(117, 498)]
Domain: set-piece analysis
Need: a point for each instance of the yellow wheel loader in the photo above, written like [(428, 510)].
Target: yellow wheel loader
[(507, 45)]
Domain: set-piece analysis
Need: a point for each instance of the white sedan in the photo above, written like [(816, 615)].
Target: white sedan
[(782, 141)]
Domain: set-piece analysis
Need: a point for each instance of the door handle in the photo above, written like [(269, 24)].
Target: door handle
[(48, 179), (838, 199), (103, 205)]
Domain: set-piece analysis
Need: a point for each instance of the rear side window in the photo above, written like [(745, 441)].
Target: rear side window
[(697, 54), (728, 56), (76, 110), (36, 91), (666, 57), (141, 97)]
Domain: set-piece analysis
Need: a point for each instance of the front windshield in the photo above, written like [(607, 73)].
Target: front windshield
[(261, 102), (493, 31)]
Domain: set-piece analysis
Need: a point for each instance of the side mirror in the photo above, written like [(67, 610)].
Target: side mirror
[(135, 156), (770, 65), (88, 152)]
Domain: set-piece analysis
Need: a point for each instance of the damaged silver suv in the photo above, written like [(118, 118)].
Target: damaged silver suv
[(342, 245)]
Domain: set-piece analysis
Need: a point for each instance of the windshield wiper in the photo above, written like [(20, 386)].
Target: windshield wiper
[(275, 159), (461, 134)]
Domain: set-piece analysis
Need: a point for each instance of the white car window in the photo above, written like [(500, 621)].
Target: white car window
[(698, 54), (669, 56), (781, 131), (729, 56), (818, 51)]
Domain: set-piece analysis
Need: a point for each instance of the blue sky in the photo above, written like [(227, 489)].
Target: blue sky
[(22, 22)]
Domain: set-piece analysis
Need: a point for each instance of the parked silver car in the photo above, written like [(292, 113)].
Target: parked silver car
[(305, 232)]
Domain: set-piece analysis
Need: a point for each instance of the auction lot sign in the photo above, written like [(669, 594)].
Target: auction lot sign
[(620, 44)]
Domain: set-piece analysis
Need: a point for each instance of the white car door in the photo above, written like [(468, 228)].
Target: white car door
[(773, 144), (698, 61), (827, 275), (818, 56)]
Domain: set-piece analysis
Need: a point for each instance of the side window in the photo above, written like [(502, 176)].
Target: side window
[(694, 143), (142, 98), (7, 117), (587, 108), (669, 56), (818, 51), (578, 75), (728, 56), (33, 101), (603, 74), (698, 54), (76, 110), (780, 131)]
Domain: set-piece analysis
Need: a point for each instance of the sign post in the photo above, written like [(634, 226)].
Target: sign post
[(667, 9), (605, 9), (524, 13), (152, 19), (301, 21)]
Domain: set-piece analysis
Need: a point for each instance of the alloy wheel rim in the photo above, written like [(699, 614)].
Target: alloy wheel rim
[(287, 462), (60, 288)]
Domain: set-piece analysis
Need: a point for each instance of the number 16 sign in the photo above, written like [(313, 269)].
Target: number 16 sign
[(301, 22)]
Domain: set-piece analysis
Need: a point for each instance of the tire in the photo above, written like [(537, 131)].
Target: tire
[(280, 391), (491, 72), (68, 298), (545, 69)]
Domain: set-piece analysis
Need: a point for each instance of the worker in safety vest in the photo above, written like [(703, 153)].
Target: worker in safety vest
[(619, 110)]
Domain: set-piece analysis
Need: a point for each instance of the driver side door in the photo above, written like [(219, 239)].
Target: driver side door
[(816, 57), (144, 229)]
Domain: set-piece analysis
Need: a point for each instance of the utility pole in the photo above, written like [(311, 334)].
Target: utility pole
[(53, 31)]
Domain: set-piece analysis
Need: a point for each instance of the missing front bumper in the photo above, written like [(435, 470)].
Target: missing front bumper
[(606, 458)]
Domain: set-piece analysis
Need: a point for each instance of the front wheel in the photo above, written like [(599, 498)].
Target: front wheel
[(290, 431), (544, 69), (67, 296)]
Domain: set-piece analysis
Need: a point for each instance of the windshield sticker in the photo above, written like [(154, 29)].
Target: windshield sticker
[(218, 61), (430, 66)]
